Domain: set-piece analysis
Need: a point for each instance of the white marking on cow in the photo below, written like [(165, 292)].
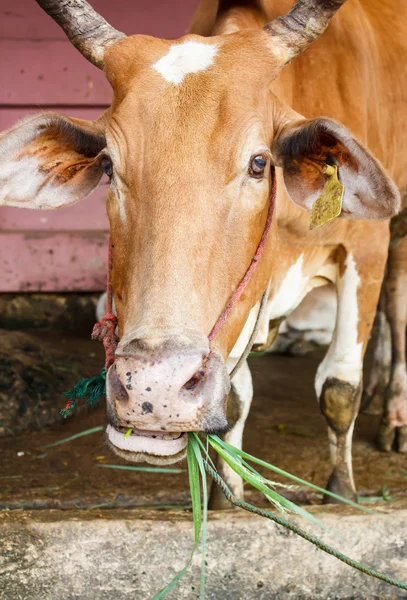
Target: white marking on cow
[(20, 181), (120, 199), (333, 450), (290, 293), (245, 334), (317, 312), (242, 387), (183, 59), (24, 185), (344, 357)]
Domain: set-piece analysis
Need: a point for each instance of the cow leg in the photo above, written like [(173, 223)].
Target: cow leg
[(393, 427), (374, 393), (239, 401), (338, 381)]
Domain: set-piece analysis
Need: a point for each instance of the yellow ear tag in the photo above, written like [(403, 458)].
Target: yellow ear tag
[(329, 204)]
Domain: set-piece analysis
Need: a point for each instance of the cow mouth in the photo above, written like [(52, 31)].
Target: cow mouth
[(156, 447)]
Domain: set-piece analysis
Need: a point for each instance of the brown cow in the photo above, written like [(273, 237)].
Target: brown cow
[(190, 143)]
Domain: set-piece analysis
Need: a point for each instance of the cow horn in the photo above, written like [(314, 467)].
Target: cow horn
[(299, 28), (85, 28)]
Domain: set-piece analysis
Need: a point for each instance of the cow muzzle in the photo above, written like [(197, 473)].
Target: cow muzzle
[(161, 392)]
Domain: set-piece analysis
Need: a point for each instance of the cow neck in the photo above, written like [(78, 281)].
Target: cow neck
[(105, 330)]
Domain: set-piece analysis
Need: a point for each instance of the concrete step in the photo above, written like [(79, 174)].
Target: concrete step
[(131, 554)]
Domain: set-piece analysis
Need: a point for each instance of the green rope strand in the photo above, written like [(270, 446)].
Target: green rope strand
[(91, 389), (297, 530)]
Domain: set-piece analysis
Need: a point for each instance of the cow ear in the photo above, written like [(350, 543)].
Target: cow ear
[(49, 161), (304, 147)]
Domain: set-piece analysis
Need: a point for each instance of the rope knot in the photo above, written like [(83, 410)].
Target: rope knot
[(105, 332)]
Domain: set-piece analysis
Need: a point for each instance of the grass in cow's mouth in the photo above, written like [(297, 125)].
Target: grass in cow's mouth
[(197, 474), (199, 463), (197, 455), (128, 432)]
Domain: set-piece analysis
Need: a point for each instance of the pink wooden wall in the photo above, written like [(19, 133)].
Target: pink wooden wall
[(63, 250)]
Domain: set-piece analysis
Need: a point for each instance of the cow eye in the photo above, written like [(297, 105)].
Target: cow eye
[(107, 167), (257, 166)]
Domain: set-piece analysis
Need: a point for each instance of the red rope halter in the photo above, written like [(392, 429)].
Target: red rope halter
[(105, 330)]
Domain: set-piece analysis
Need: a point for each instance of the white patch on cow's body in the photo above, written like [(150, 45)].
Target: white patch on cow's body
[(183, 59), (288, 296), (317, 312), (347, 450), (244, 336), (242, 387), (290, 293), (344, 357)]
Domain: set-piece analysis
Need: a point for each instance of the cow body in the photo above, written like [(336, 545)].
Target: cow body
[(198, 131), (358, 80)]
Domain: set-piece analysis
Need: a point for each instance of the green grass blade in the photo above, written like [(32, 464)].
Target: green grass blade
[(195, 445), (312, 486), (268, 481), (143, 469), (174, 582), (205, 450), (193, 473), (75, 437), (255, 481)]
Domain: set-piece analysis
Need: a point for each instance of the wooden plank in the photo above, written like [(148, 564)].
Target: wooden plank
[(163, 18), (87, 215), (38, 261), (49, 72)]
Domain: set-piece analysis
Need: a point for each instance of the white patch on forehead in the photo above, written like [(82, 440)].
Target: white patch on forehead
[(185, 58)]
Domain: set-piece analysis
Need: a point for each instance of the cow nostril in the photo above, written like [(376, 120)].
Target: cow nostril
[(117, 389), (191, 384)]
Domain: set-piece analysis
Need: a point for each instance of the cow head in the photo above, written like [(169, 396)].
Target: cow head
[(189, 144)]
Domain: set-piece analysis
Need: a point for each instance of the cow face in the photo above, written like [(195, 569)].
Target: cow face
[(191, 166), (190, 144)]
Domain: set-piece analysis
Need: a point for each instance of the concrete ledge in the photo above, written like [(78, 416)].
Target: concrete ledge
[(121, 555)]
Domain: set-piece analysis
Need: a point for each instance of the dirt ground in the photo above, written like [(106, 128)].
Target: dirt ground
[(284, 427)]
